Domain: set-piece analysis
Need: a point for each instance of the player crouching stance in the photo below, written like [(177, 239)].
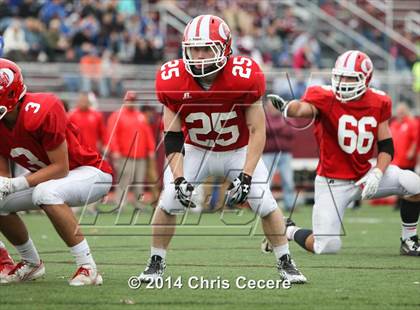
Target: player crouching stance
[(216, 98), (37, 135), (350, 119)]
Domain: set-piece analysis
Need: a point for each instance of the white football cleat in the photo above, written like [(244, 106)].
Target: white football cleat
[(86, 275), (288, 270), (24, 271)]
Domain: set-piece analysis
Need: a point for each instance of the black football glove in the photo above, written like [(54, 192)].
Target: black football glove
[(278, 102), (184, 192), (238, 190)]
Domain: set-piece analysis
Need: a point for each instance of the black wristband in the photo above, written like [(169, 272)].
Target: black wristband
[(179, 180), (386, 146), (174, 142), (245, 178)]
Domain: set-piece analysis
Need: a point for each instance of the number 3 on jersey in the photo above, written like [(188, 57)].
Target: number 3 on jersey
[(357, 141)]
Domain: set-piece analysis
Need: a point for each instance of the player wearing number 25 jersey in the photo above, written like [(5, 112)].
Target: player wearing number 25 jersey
[(350, 119), (63, 173), (214, 125), (214, 118)]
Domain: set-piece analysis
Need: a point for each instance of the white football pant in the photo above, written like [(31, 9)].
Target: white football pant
[(81, 186), (200, 163), (333, 196)]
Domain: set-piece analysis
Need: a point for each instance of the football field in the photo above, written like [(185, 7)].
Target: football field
[(369, 273)]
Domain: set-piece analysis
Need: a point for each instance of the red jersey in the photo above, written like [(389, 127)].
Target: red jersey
[(91, 126), (214, 118), (405, 134), (41, 126), (347, 132), (132, 136)]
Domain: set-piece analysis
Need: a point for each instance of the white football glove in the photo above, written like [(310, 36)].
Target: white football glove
[(370, 183), (238, 190), (184, 192), (278, 102), (11, 185)]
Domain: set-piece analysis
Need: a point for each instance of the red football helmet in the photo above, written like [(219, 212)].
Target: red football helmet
[(353, 64), (12, 88), (206, 31)]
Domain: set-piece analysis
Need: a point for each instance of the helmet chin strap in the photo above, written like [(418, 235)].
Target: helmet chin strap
[(206, 70)]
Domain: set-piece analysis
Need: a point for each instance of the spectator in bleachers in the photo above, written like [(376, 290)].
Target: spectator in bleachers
[(271, 46), (277, 154), (52, 9), (35, 37), (131, 143), (28, 8), (56, 44), (111, 75), (91, 71), (90, 122), (15, 44)]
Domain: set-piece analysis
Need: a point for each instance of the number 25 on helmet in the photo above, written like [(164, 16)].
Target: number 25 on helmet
[(206, 31)]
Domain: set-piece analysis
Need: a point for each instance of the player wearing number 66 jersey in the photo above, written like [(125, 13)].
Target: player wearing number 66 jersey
[(214, 125), (351, 119), (64, 172)]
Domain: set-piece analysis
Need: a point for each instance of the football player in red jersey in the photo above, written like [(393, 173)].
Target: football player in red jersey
[(350, 119), (215, 97), (37, 135)]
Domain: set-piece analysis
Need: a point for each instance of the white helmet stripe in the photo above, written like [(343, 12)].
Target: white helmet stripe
[(342, 59), (193, 27), (351, 61), (205, 27)]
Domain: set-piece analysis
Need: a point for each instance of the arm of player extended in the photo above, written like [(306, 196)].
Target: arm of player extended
[(385, 146), (255, 120), (58, 167), (174, 142), (300, 109)]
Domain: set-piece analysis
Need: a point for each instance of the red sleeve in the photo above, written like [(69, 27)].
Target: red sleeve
[(257, 89), (161, 87), (53, 127), (386, 109), (319, 96)]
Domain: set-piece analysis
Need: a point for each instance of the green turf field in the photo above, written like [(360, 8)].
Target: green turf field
[(369, 273)]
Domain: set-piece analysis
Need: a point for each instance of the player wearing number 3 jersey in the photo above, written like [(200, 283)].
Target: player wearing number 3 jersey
[(64, 172), (214, 125), (351, 119)]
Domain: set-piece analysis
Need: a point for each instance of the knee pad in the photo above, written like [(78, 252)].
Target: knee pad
[(266, 206), (43, 194), (327, 245), (410, 181)]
